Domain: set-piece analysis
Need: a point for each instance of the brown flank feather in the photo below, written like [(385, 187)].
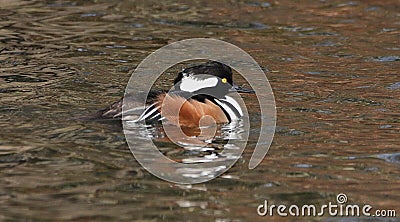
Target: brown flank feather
[(190, 112)]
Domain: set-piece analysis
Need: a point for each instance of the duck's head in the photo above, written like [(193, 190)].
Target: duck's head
[(211, 78)]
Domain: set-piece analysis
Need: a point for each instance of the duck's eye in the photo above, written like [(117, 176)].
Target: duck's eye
[(224, 80)]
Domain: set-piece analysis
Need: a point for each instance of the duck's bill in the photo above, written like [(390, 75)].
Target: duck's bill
[(240, 89)]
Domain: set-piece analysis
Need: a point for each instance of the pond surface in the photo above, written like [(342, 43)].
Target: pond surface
[(333, 65)]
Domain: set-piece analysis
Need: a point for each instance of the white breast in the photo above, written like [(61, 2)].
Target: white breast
[(234, 103), (231, 106)]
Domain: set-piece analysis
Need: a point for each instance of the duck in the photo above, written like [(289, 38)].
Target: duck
[(199, 91)]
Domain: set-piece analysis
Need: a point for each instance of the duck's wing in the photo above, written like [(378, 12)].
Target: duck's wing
[(152, 112), (114, 111)]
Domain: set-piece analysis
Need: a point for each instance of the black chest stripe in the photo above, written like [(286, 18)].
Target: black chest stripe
[(232, 107)]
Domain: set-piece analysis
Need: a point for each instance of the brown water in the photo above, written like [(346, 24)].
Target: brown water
[(333, 65)]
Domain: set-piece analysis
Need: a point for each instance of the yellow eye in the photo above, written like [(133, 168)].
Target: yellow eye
[(224, 80)]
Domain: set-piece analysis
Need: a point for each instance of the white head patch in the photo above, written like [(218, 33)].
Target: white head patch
[(192, 84)]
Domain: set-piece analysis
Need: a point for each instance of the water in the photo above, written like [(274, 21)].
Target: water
[(333, 66)]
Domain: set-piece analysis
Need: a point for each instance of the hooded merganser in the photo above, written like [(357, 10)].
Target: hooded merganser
[(200, 90)]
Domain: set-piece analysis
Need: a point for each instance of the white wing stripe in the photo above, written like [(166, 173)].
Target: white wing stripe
[(148, 112)]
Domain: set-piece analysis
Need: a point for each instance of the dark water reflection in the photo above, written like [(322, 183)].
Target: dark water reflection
[(333, 65)]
